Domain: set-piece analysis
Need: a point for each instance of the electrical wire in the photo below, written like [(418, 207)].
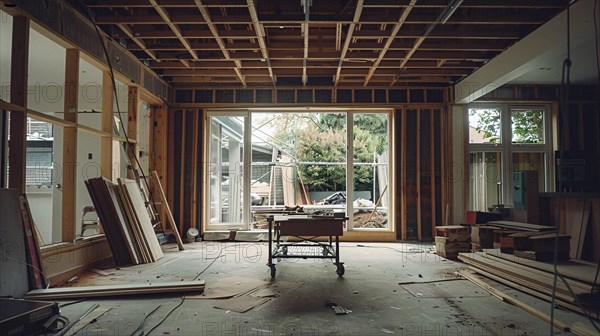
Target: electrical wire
[(140, 328), (111, 72), (166, 316), (410, 250), (71, 303), (35, 268)]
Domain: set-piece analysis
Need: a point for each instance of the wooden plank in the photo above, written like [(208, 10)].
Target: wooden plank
[(573, 270), (126, 228), (521, 226), (574, 212), (444, 140), (110, 219), (106, 143), (583, 231), (143, 217), (527, 277), (36, 270), (170, 217), (133, 107), (194, 172), (142, 246), (115, 290), (509, 299), (69, 176), (181, 186), (18, 96)]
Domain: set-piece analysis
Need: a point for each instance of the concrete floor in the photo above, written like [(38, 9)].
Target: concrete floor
[(370, 289)]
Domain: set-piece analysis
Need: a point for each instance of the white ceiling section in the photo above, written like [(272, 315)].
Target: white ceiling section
[(538, 57)]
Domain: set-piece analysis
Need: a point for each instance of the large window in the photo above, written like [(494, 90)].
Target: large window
[(297, 158), (504, 139)]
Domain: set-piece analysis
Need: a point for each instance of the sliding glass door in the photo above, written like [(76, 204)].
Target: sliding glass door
[(317, 160)]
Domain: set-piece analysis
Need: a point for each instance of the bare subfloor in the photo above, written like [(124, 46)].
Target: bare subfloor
[(389, 288)]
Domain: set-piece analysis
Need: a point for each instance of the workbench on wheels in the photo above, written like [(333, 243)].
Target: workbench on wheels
[(307, 228)]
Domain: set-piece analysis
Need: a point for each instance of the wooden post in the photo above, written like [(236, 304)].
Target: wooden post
[(69, 188), (106, 156), (158, 150), (133, 107), (18, 96), (403, 174), (163, 199), (432, 171), (194, 172)]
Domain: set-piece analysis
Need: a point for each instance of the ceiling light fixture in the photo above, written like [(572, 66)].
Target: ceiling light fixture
[(449, 10)]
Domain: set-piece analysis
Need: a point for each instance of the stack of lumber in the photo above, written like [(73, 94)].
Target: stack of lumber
[(125, 220), (536, 278), (521, 226), (451, 240), (536, 245), (482, 236)]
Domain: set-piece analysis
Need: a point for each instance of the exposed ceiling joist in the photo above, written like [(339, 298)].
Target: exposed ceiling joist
[(260, 35), (390, 39), (165, 16), (357, 14), (219, 40), (129, 32)]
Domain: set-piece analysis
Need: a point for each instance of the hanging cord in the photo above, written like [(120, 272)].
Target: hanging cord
[(564, 106), (128, 142)]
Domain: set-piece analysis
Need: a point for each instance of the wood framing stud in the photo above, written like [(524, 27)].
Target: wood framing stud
[(106, 149), (18, 96), (69, 176)]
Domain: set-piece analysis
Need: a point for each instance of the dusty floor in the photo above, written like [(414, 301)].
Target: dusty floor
[(371, 289)]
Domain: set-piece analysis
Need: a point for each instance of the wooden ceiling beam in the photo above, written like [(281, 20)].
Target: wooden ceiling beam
[(351, 27), (217, 37), (390, 39), (260, 35), (129, 32), (165, 16)]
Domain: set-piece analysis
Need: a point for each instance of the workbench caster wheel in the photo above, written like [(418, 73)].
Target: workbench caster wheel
[(325, 251), (284, 250), (273, 271), (340, 270)]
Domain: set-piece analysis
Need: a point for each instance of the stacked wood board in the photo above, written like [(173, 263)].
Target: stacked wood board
[(125, 220), (451, 240), (482, 236), (536, 278), (115, 290)]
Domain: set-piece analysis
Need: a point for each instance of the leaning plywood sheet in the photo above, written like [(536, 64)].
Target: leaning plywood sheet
[(133, 226), (13, 270), (116, 290), (110, 219), (142, 216)]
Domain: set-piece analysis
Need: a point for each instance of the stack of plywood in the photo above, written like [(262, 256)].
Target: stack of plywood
[(482, 236), (451, 240), (126, 221), (537, 278)]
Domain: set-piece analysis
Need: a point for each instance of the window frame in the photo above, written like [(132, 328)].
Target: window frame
[(506, 147)]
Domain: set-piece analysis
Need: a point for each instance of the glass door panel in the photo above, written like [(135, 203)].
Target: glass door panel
[(225, 171)]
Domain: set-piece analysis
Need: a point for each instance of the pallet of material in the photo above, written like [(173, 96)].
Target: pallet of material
[(115, 290), (450, 249), (453, 232), (538, 245)]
